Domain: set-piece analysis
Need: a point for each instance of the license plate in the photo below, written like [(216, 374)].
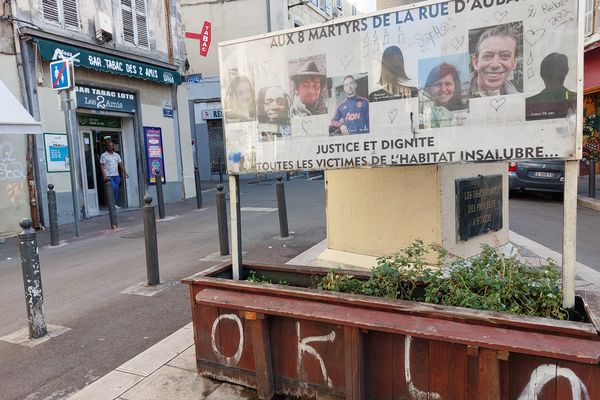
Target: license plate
[(541, 174)]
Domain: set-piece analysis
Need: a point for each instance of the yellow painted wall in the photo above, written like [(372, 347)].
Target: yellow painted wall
[(381, 210)]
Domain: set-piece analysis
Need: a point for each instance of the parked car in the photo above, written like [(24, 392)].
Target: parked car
[(537, 175)]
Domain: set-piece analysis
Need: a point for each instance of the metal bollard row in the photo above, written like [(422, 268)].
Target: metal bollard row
[(150, 242), (222, 221), (281, 207), (53, 216), (32, 279), (159, 193)]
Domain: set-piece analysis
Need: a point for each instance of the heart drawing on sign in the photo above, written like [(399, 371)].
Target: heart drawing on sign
[(392, 115), (346, 59), (458, 42), (499, 16), (532, 37), (306, 126), (497, 103)]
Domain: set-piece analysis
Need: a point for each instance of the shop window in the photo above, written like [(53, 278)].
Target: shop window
[(354, 10), (62, 12), (339, 4), (135, 22)]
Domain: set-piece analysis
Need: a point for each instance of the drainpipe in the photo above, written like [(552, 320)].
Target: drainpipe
[(169, 33), (33, 202)]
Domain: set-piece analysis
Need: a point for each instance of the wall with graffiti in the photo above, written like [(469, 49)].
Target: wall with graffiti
[(13, 183), (591, 127)]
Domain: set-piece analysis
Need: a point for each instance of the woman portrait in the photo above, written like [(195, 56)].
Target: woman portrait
[(239, 100), (442, 95), (393, 80), (273, 110)]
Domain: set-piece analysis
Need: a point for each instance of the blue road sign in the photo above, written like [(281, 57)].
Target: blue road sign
[(60, 74)]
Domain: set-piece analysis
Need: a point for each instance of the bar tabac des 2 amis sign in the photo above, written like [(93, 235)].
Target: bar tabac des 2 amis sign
[(437, 82)]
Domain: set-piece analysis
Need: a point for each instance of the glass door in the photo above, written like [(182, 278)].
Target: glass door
[(90, 185)]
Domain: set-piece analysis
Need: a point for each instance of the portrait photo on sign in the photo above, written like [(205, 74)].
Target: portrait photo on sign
[(240, 104), (444, 92), (351, 115), (496, 60), (273, 108), (555, 100), (308, 86), (392, 82)]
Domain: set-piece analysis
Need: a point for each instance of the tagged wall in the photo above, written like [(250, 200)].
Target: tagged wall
[(14, 195)]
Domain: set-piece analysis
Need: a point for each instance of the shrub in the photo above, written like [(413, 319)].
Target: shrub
[(490, 281)]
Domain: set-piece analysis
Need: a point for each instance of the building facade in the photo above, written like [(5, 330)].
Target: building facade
[(128, 56), (591, 83)]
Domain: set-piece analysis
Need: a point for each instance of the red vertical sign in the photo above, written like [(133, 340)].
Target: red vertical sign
[(205, 39)]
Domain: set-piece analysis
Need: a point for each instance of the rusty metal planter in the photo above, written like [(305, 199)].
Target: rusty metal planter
[(304, 342)]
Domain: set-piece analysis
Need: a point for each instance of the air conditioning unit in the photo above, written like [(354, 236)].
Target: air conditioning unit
[(103, 27)]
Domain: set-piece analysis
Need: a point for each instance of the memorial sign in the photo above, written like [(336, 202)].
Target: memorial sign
[(478, 205), (429, 83)]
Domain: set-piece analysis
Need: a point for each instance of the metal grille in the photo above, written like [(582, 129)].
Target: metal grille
[(133, 235), (216, 146)]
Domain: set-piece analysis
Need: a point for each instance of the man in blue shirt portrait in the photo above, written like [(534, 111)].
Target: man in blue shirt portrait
[(351, 116)]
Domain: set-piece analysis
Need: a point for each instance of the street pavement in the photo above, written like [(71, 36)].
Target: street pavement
[(88, 284), (122, 346)]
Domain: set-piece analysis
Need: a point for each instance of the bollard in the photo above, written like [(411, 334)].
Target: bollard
[(110, 203), (151, 242), (222, 221), (283, 223), (32, 279), (159, 193), (220, 171), (198, 188), (53, 216), (592, 179)]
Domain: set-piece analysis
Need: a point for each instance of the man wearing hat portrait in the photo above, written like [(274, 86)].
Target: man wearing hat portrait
[(309, 84)]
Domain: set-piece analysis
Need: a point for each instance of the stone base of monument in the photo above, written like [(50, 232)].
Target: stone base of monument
[(378, 211)]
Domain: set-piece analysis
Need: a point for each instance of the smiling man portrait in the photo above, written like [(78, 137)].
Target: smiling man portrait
[(494, 58)]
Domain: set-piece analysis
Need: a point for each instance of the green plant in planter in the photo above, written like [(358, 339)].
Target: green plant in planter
[(489, 281)]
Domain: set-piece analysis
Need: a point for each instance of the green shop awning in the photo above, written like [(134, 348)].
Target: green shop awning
[(52, 51)]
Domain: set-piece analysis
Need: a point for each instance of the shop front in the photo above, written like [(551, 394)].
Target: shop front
[(116, 100)]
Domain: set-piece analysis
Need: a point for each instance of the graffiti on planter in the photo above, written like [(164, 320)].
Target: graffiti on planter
[(304, 347), (235, 359), (10, 168), (415, 393), (545, 373)]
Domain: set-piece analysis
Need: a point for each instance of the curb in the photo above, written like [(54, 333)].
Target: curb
[(589, 202)]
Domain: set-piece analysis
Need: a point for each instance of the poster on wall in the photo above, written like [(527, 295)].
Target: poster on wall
[(436, 82), (154, 154), (57, 152)]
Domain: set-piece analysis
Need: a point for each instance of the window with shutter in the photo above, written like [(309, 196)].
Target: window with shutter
[(50, 10), (135, 22), (63, 12), (589, 17), (71, 14)]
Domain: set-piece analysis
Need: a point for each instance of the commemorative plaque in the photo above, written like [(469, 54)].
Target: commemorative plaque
[(478, 206)]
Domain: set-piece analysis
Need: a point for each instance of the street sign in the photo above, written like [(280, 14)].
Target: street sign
[(61, 74)]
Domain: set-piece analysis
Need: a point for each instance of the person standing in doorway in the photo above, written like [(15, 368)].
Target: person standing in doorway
[(110, 163)]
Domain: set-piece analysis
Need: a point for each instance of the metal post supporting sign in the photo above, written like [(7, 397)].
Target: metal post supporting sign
[(62, 80)]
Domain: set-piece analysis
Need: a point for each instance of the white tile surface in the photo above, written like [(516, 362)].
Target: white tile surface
[(161, 353)]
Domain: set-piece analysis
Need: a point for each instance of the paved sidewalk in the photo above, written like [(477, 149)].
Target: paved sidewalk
[(167, 370), (583, 193)]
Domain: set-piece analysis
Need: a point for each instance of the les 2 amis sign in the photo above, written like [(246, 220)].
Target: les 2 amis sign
[(105, 99)]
